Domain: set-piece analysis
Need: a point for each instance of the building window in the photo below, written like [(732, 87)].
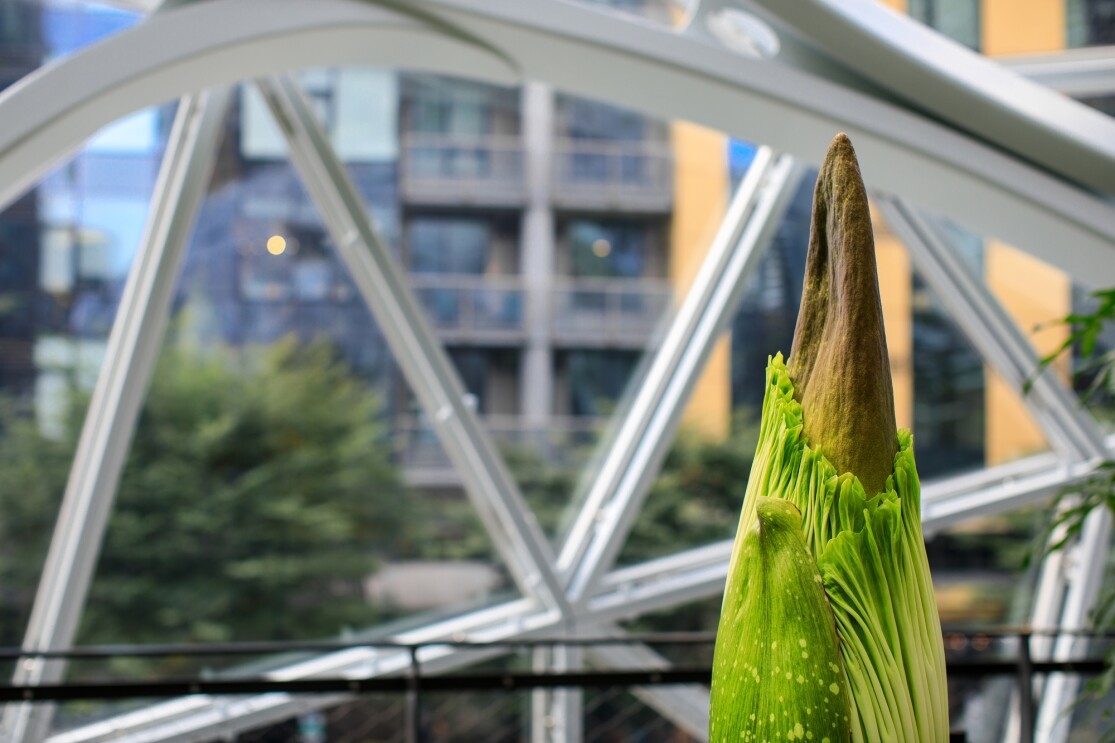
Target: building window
[(1103, 104), (583, 119), (1090, 22), (491, 376), (949, 387), (456, 245), (458, 108), (609, 249), (768, 308), (460, 268), (294, 263), (956, 19), (597, 380)]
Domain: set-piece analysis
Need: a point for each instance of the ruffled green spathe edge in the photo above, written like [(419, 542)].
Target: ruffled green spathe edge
[(871, 555)]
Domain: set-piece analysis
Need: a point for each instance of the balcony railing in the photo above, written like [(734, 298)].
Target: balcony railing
[(488, 170), (587, 312), (472, 308), (613, 176), (565, 441), (612, 312), (450, 170)]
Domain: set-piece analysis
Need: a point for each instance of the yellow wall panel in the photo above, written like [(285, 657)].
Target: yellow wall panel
[(700, 198), (896, 295), (1035, 294), (1022, 26)]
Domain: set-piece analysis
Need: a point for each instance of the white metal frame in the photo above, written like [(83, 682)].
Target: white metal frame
[(617, 487), (789, 103), (130, 356), (494, 493), (651, 68)]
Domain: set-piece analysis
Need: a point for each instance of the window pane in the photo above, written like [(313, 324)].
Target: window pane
[(957, 19)]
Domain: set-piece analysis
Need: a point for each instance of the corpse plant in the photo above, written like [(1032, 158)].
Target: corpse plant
[(829, 629)]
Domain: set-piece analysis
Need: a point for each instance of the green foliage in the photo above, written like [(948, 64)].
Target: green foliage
[(1073, 505), (32, 476), (257, 495), (1085, 329)]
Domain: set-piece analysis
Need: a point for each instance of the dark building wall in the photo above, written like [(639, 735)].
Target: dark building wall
[(21, 52)]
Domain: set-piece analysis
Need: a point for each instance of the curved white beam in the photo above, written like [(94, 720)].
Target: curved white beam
[(53, 110), (954, 83), (647, 67)]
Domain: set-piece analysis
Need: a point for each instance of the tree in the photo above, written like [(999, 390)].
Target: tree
[(257, 495)]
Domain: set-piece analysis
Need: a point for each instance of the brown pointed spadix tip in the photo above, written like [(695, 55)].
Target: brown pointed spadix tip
[(839, 363)]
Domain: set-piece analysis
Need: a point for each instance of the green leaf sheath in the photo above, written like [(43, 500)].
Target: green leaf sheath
[(777, 673), (871, 558)]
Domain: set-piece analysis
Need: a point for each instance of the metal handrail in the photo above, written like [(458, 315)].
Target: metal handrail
[(147, 650), (413, 683)]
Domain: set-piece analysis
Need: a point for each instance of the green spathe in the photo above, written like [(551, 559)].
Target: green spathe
[(871, 558), (782, 678)]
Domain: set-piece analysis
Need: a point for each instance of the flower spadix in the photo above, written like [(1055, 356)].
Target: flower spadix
[(829, 559)]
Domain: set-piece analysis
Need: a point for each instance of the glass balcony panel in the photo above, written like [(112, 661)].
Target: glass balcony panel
[(448, 169), (613, 176), (473, 308), (596, 311)]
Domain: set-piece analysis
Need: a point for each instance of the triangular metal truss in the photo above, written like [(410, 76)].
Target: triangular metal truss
[(679, 74)]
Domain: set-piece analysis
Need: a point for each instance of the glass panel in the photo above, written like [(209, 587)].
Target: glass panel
[(957, 19), (33, 32), (1093, 378), (697, 497), (65, 251), (1037, 296), (964, 415), (1090, 22), (950, 407), (764, 323), (1104, 103)]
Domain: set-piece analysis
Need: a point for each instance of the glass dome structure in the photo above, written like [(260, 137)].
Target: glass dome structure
[(945, 137)]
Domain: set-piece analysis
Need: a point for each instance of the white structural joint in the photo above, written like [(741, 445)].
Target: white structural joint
[(618, 487), (427, 367)]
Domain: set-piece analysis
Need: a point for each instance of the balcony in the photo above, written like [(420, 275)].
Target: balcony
[(440, 170), (611, 176), (473, 309), (596, 312), (565, 441)]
